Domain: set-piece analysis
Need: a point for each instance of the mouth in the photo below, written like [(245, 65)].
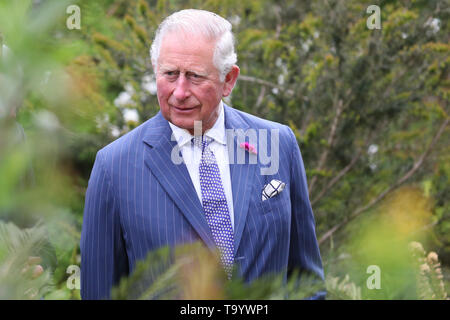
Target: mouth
[(183, 109)]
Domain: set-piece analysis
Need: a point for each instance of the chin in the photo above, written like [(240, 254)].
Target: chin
[(187, 124)]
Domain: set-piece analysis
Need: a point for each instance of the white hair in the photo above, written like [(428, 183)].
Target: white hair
[(205, 23)]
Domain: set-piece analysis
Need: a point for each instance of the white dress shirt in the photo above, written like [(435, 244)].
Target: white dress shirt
[(192, 156)]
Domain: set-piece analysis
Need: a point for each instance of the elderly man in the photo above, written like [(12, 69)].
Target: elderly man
[(141, 196)]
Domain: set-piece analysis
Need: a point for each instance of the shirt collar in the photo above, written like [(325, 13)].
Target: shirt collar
[(217, 132)]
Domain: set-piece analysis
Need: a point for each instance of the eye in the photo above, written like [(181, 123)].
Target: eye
[(194, 76), (171, 75)]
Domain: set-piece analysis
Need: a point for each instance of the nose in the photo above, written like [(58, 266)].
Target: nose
[(181, 91)]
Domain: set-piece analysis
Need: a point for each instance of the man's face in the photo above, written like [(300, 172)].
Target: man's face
[(188, 84)]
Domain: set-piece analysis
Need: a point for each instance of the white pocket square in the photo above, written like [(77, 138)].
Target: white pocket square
[(273, 188)]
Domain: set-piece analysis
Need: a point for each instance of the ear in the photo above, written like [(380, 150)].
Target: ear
[(230, 80)]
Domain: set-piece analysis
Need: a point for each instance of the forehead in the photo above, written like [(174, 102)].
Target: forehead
[(186, 51)]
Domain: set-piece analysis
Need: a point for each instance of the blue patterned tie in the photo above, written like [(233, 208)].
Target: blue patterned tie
[(215, 203)]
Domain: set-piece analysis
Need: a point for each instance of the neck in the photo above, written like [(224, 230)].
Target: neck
[(200, 129)]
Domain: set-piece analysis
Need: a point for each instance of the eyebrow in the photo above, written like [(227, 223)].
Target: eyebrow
[(165, 68)]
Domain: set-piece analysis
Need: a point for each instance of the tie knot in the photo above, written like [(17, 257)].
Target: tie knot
[(201, 141)]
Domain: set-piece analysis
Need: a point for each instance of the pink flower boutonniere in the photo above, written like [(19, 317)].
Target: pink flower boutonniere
[(249, 147)]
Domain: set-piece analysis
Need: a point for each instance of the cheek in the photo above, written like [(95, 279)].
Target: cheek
[(161, 89), (210, 96), (162, 93)]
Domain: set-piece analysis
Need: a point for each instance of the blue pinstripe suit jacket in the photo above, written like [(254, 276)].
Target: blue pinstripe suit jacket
[(139, 200)]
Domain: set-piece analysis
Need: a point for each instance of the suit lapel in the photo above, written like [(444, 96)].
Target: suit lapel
[(177, 183), (242, 175), (174, 178)]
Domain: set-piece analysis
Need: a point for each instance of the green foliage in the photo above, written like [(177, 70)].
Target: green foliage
[(344, 289), (193, 272), (429, 276), (16, 246)]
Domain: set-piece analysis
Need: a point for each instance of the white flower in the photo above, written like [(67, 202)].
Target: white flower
[(372, 149), (416, 246), (235, 20), (434, 24), (130, 115), (149, 84), (433, 257), (424, 268), (306, 45), (115, 131), (102, 121), (46, 120), (124, 99)]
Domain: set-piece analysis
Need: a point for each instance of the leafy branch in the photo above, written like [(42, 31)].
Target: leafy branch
[(418, 163)]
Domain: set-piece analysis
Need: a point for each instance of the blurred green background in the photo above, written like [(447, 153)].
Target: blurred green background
[(369, 108)]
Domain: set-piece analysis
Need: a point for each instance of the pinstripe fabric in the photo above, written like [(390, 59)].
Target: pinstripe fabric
[(138, 200)]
